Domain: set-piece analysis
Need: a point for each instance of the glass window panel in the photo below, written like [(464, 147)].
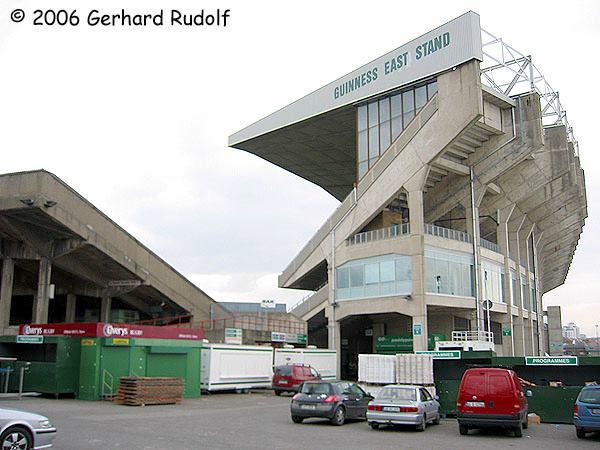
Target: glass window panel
[(343, 278), (372, 290), (372, 273), (420, 97), (396, 105), (407, 117), (431, 89), (373, 145), (384, 136), (356, 276), (362, 169), (408, 101), (362, 117), (373, 114), (386, 271), (363, 146), (384, 109), (396, 127)]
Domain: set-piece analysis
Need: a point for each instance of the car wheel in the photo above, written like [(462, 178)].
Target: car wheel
[(16, 438), (297, 419), (463, 430), (580, 433), (421, 426), (437, 419), (339, 416), (519, 431), (374, 425), (278, 393), (526, 422)]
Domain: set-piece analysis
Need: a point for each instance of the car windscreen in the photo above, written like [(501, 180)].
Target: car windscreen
[(590, 396), (397, 394), (316, 388), (284, 371)]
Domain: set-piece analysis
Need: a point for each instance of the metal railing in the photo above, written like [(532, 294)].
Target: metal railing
[(490, 245), (377, 235), (511, 72), (166, 321), (310, 301), (448, 233), (107, 385), (486, 336)]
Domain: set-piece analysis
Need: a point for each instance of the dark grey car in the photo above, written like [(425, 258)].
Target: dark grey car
[(333, 400)]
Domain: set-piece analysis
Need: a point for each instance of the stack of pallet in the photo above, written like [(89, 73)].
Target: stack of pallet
[(140, 391)]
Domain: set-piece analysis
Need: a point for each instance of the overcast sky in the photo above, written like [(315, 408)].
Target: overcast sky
[(137, 119)]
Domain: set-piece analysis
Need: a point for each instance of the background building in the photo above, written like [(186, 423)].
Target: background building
[(462, 197)]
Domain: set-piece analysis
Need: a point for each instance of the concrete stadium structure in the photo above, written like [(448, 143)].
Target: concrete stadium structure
[(459, 195), (63, 260)]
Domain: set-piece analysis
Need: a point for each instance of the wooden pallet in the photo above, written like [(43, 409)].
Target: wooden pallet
[(141, 391)]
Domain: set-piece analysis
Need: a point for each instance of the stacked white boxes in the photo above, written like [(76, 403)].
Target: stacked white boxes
[(322, 360), (414, 369), (235, 367), (377, 369)]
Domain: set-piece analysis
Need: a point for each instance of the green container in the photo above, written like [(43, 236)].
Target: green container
[(553, 404), (53, 368), (105, 361)]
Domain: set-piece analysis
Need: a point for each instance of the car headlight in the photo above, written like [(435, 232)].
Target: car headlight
[(44, 424)]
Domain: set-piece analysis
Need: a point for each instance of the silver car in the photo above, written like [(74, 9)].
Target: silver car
[(403, 405), (21, 430)]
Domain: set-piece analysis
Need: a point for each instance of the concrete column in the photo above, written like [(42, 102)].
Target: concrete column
[(71, 308), (418, 296), (6, 289), (105, 308), (503, 239), (334, 339), (42, 298), (555, 331)]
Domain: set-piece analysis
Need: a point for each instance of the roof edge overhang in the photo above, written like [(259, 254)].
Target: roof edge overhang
[(438, 50)]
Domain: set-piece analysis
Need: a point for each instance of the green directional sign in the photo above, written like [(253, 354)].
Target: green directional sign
[(25, 339), (452, 354), (506, 332), (551, 361)]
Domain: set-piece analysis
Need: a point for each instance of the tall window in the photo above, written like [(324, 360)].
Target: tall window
[(380, 122), (449, 273), (513, 287), (524, 294), (374, 277)]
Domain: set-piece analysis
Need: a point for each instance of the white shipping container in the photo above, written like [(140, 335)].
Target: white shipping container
[(376, 369), (229, 367), (322, 360), (414, 369)]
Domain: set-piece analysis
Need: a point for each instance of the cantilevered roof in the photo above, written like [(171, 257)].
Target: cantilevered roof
[(314, 137)]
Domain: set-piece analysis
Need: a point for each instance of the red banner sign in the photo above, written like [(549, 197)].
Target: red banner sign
[(110, 330)]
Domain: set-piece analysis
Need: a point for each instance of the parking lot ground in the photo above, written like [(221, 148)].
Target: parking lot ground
[(260, 420)]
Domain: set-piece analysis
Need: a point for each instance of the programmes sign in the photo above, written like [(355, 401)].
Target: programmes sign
[(551, 361)]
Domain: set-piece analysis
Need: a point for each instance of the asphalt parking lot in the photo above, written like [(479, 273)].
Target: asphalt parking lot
[(259, 420)]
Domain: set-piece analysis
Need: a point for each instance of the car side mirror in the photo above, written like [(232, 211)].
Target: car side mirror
[(436, 397), (529, 393)]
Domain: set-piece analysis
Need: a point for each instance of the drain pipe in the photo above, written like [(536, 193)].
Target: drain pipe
[(476, 272)]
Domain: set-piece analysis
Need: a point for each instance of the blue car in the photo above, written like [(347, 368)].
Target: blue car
[(586, 416)]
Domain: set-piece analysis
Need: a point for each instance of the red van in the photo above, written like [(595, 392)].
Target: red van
[(491, 398), (289, 377)]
